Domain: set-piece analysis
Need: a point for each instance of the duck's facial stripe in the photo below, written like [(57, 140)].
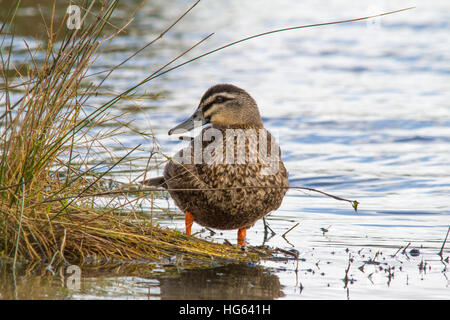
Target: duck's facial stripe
[(216, 99), (206, 108), (220, 96)]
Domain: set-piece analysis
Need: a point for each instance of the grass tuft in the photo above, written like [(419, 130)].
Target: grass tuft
[(45, 129)]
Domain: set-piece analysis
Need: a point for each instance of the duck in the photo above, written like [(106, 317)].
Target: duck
[(231, 174)]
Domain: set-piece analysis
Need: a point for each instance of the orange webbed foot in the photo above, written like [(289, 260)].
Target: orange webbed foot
[(188, 220), (242, 233)]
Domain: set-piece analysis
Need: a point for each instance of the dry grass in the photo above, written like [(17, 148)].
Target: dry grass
[(85, 235), (44, 127)]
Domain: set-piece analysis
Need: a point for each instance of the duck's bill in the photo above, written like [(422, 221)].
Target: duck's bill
[(196, 120)]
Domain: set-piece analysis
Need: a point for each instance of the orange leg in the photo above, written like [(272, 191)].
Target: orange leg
[(241, 237), (189, 220)]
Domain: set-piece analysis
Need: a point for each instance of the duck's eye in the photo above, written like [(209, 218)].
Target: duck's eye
[(219, 99)]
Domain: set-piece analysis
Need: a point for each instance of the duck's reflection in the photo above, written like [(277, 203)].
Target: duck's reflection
[(235, 281), (128, 281)]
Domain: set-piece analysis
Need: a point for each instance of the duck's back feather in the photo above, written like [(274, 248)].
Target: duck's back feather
[(225, 195)]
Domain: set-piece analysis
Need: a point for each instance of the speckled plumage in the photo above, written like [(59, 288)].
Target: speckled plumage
[(232, 208), (212, 190)]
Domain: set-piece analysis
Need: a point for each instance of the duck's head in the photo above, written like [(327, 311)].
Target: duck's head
[(223, 105)]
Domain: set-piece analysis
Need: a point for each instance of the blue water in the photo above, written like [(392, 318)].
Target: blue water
[(360, 110)]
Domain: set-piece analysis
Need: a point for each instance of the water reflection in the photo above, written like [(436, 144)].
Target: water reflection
[(235, 281), (137, 281), (32, 281)]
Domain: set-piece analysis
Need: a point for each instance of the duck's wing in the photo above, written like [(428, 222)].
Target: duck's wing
[(204, 163), (181, 173)]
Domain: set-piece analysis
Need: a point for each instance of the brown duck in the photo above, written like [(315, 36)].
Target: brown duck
[(231, 174)]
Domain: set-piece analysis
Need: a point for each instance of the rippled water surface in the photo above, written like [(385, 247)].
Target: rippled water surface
[(361, 110)]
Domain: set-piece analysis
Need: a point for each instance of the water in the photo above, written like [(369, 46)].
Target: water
[(360, 110)]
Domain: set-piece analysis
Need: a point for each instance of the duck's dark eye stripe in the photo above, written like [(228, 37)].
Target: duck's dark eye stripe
[(221, 99), (208, 106), (218, 99)]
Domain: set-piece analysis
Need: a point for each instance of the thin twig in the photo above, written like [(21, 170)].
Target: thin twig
[(124, 191), (346, 278), (401, 247), (284, 234), (404, 250), (287, 252), (63, 245), (13, 185), (353, 202), (266, 226), (443, 244)]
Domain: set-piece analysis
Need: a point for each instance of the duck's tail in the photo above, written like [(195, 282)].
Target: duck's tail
[(155, 182)]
